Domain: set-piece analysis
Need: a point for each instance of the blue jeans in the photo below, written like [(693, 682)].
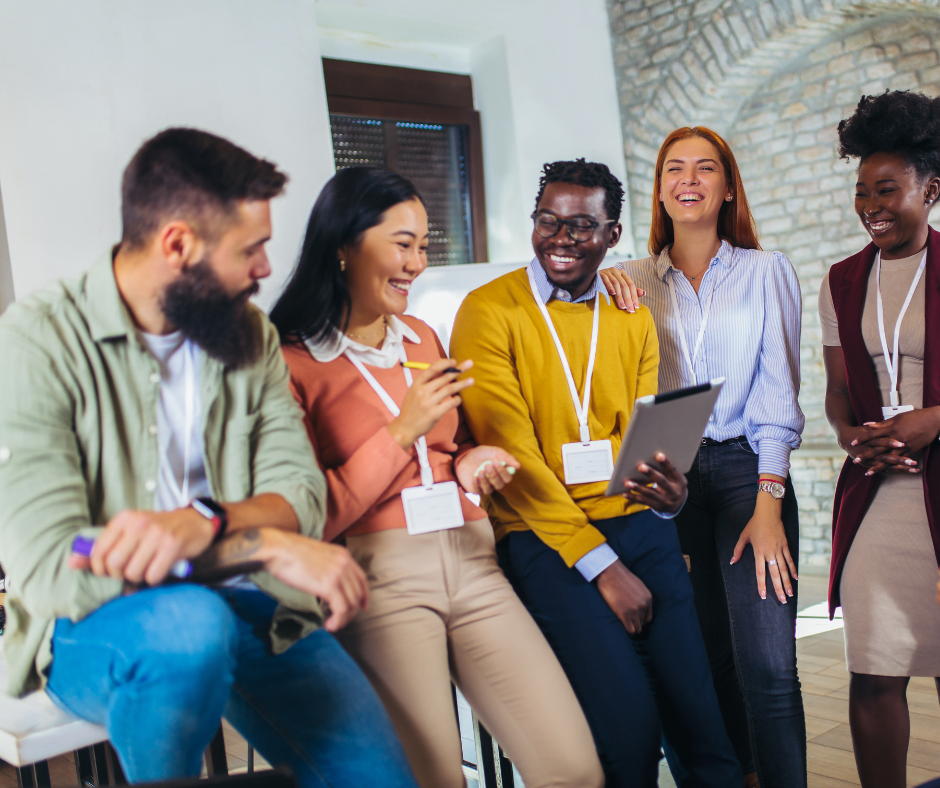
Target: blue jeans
[(160, 668), (628, 689), (750, 641)]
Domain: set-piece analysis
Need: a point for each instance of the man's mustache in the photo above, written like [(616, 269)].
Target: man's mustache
[(248, 292)]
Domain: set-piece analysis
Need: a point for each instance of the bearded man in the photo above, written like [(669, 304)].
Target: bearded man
[(147, 429)]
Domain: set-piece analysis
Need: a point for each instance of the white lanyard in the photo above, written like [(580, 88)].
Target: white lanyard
[(580, 408), (421, 445), (892, 362), (690, 358), (189, 385)]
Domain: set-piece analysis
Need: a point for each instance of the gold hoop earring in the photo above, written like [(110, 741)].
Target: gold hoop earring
[(342, 265)]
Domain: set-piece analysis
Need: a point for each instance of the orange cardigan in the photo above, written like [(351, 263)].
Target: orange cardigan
[(365, 469)]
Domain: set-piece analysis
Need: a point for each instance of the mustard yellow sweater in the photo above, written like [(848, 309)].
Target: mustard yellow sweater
[(521, 402)]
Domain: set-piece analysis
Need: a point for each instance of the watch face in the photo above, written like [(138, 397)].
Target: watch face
[(776, 489)]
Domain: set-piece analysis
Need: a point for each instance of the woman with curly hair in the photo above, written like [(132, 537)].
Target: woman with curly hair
[(725, 308), (880, 315)]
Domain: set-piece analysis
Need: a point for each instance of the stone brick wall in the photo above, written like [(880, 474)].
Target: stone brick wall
[(774, 78), (801, 194)]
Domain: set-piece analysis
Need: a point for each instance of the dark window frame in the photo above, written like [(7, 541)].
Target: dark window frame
[(366, 90)]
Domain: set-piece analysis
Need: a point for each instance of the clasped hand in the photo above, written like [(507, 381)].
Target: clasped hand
[(886, 446)]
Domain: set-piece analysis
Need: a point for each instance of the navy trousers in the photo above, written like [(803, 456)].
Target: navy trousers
[(631, 691)]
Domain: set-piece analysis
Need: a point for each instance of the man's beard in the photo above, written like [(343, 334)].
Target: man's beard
[(196, 303)]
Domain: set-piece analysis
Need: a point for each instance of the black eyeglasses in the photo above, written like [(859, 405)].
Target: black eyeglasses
[(548, 226)]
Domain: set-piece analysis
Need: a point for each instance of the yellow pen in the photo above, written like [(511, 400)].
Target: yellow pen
[(422, 365)]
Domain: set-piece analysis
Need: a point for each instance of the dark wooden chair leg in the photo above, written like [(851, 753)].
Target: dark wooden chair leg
[(99, 765), (35, 775), (84, 770), (216, 763), (25, 778), (115, 772), (41, 773)]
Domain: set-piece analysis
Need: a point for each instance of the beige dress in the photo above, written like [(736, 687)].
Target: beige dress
[(888, 587)]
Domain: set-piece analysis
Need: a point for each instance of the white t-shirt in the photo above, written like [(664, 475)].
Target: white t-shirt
[(179, 423)]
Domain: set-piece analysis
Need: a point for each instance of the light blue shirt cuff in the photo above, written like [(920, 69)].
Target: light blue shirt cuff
[(774, 457), (671, 515), (591, 564)]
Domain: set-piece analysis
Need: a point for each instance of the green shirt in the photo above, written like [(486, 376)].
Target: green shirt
[(78, 395)]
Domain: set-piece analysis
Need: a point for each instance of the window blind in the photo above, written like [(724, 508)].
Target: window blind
[(433, 156)]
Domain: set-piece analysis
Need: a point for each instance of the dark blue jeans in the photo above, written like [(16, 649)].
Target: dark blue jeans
[(750, 641), (159, 668), (603, 665)]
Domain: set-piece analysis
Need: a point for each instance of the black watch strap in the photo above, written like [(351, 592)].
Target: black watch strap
[(213, 512)]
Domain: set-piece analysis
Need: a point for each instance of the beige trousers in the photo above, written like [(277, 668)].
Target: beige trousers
[(440, 608)]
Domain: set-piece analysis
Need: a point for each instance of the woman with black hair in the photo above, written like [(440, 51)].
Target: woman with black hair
[(398, 458), (880, 315)]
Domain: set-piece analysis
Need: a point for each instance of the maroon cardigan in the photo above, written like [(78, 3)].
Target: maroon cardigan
[(848, 282)]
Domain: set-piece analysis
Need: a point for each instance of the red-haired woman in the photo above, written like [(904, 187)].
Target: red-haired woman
[(725, 308)]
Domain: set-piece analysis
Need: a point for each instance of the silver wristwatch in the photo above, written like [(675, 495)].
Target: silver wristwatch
[(776, 489)]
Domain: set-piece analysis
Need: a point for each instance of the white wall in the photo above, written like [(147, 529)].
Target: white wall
[(543, 81), (82, 84)]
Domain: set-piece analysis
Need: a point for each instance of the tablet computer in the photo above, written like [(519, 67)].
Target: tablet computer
[(672, 423)]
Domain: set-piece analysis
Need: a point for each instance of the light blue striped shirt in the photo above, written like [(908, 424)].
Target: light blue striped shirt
[(591, 564), (752, 339)]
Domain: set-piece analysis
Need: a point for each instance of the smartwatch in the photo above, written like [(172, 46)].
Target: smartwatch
[(214, 513)]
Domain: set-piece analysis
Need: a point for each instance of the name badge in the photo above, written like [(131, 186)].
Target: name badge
[(592, 461), (434, 508), (893, 410)]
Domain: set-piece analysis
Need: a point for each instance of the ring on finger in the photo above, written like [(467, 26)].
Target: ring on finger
[(772, 562)]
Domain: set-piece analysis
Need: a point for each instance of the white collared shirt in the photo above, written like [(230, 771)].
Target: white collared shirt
[(384, 357)]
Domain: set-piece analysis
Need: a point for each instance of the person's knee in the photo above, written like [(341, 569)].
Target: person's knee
[(625, 746), (583, 770), (872, 690), (770, 673), (568, 758), (189, 631)]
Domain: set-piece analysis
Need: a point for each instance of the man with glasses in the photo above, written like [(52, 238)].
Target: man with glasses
[(557, 369)]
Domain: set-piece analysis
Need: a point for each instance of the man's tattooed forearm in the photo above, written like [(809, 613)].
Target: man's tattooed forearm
[(240, 547)]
